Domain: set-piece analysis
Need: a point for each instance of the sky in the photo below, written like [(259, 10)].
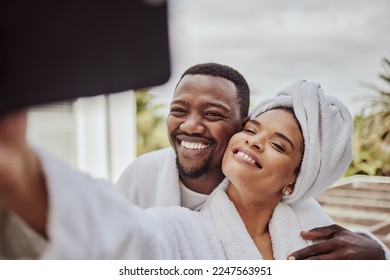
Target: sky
[(336, 43)]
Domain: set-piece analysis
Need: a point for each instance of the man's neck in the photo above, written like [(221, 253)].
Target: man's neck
[(204, 184)]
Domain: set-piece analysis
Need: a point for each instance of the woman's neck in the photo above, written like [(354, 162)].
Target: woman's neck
[(255, 215)]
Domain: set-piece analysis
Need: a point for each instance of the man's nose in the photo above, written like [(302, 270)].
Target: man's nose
[(193, 124)]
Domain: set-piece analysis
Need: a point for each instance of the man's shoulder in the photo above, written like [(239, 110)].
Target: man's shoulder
[(155, 160), (141, 181), (157, 153), (156, 157)]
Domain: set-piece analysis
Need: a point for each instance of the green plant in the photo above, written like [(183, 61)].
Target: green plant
[(151, 131), (372, 132)]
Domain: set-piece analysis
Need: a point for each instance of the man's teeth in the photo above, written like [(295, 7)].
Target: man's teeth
[(193, 146), (245, 156)]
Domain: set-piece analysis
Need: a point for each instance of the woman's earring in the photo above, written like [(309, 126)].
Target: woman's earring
[(287, 192)]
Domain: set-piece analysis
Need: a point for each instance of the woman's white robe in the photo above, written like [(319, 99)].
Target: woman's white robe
[(89, 219)]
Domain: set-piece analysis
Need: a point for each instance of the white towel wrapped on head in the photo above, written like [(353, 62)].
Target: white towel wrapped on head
[(327, 129)]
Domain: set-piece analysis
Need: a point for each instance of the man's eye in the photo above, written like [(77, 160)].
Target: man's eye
[(213, 114), (178, 110)]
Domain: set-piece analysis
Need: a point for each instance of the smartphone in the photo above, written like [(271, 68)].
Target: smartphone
[(64, 49)]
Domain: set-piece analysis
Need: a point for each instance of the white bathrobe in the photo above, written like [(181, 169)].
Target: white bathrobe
[(17, 239), (152, 180), (89, 219), (162, 188), (92, 221)]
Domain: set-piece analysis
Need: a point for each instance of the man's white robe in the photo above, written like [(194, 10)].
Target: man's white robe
[(89, 219), (152, 180)]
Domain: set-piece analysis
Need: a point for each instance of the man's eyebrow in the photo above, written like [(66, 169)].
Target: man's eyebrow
[(180, 102), (215, 104), (279, 134), (204, 106)]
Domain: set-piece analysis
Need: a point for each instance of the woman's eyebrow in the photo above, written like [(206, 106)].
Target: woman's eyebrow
[(279, 134), (255, 122)]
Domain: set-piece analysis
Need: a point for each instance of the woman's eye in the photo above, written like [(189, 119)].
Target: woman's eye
[(250, 131), (279, 147)]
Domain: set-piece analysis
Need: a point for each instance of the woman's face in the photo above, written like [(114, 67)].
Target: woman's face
[(261, 159)]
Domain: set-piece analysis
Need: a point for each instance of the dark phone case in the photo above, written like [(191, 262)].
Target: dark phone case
[(64, 49)]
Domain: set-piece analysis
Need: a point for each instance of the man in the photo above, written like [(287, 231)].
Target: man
[(209, 105), (25, 178), (85, 218)]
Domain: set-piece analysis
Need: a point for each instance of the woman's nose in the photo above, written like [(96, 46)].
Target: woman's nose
[(256, 143)]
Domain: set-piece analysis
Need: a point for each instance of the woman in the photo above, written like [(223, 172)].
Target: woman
[(273, 172), (294, 146), (262, 164)]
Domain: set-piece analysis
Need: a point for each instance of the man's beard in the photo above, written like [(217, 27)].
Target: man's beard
[(195, 172)]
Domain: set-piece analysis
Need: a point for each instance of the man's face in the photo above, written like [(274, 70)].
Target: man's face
[(204, 114)]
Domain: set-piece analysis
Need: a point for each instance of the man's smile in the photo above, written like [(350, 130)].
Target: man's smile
[(193, 145)]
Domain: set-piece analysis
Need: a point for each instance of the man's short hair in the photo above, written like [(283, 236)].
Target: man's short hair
[(228, 73)]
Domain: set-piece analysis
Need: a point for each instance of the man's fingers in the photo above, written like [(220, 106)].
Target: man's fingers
[(338, 243), (319, 251), (321, 233)]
